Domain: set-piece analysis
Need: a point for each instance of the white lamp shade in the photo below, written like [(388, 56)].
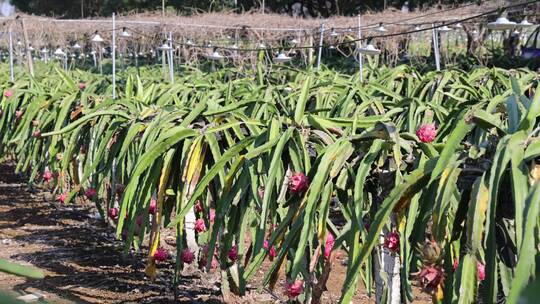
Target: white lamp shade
[(444, 29), (281, 57), (501, 24), (59, 52), (215, 56), (381, 29), (76, 46), (165, 47), (369, 50), (97, 38)]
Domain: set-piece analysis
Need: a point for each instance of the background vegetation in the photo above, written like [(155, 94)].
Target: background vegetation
[(78, 8)]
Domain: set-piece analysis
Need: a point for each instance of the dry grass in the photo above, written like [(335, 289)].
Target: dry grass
[(149, 29)]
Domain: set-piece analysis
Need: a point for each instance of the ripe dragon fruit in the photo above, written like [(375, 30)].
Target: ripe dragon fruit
[(200, 226), (329, 245), (298, 183), (153, 206), (391, 241), (271, 251), (161, 255), (293, 290), (47, 175), (233, 253), (90, 193), (431, 277), (113, 213), (426, 133), (187, 256), (62, 197)]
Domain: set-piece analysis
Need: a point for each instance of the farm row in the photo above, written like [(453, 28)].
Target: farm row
[(417, 177)]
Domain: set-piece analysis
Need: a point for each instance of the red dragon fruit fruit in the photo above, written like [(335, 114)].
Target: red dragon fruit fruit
[(426, 133), (298, 183)]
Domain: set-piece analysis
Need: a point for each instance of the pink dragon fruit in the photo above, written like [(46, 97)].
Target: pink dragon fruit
[(330, 240), (113, 213), (90, 193), (47, 175), (233, 253), (426, 133), (212, 215), (153, 206), (37, 133), (161, 255), (200, 226), (481, 268), (62, 197), (198, 207), (431, 277), (391, 241), (298, 183), (271, 251), (293, 290), (187, 256)]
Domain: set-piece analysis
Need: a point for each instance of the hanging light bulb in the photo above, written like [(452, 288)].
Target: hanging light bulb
[(444, 29), (294, 41), (417, 28), (189, 42), (44, 51), (97, 38), (332, 47), (501, 24), (234, 46), (334, 33), (215, 56), (381, 29), (59, 52), (458, 26), (165, 47), (369, 50), (261, 46), (19, 42), (125, 33), (76, 46), (30, 48), (282, 58)]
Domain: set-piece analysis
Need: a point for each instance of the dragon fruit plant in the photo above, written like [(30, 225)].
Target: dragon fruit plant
[(432, 173)]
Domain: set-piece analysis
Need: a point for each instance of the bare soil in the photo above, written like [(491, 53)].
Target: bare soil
[(84, 263)]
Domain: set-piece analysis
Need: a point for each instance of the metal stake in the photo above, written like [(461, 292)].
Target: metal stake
[(11, 76), (360, 55), (113, 56), (320, 47), (171, 58), (436, 47)]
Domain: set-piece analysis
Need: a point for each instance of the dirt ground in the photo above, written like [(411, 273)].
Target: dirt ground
[(83, 262)]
